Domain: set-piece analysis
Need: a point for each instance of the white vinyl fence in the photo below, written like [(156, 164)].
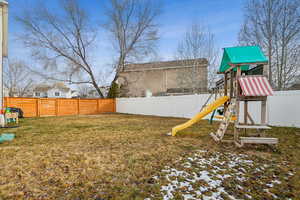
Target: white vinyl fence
[(283, 108)]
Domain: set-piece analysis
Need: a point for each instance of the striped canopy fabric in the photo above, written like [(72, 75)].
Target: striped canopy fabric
[(255, 86)]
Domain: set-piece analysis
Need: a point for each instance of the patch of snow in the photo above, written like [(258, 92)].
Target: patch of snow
[(269, 184), (276, 181), (201, 151), (290, 173), (239, 187), (188, 196), (270, 193), (208, 172)]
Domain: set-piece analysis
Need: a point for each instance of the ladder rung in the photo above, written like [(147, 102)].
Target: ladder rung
[(253, 126)]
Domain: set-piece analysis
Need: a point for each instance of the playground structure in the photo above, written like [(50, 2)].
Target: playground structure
[(245, 79)]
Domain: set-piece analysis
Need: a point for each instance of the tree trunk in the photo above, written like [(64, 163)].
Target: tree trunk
[(120, 67), (96, 86)]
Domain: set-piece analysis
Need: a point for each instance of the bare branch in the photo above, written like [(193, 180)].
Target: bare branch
[(61, 42), (17, 78), (198, 42), (132, 26), (275, 26)]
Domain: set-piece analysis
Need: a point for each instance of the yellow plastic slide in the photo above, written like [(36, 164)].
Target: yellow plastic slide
[(206, 110)]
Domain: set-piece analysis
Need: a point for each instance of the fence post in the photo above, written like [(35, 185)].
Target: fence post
[(56, 106), (78, 106), (98, 105), (115, 105), (38, 102), (6, 102)]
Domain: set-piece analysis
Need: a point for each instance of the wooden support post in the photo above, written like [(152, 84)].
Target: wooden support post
[(225, 91), (237, 109), (264, 112), (215, 92), (266, 70), (231, 83), (225, 84), (245, 115), (245, 112), (250, 118)]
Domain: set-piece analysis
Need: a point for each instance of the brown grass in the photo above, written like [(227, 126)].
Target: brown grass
[(111, 156)]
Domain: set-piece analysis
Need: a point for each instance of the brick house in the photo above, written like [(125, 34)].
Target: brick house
[(164, 78)]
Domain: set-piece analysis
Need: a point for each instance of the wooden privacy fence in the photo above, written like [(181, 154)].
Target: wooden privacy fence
[(38, 107)]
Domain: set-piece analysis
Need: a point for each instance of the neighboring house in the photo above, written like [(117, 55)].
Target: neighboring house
[(5, 91), (164, 78), (57, 90), (295, 86), (75, 94), (92, 93)]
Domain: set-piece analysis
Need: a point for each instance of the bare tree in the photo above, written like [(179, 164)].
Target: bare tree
[(83, 90), (275, 26), (198, 42), (17, 78), (134, 31), (62, 41)]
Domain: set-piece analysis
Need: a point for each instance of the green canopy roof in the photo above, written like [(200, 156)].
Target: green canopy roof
[(240, 55)]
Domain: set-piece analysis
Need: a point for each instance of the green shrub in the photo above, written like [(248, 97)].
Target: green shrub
[(114, 90)]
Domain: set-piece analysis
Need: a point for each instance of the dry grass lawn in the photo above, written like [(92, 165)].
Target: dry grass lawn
[(116, 156)]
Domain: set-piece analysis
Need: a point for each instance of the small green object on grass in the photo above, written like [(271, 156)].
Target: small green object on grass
[(6, 137)]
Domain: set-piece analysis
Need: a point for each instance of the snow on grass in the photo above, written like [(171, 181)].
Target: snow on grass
[(207, 175)]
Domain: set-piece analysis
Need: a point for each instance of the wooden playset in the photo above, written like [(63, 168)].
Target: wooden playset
[(245, 79)]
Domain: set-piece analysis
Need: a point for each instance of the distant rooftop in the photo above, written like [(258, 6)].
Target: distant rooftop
[(201, 62), (43, 87)]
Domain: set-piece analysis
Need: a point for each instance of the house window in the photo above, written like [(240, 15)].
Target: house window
[(37, 94), (57, 94)]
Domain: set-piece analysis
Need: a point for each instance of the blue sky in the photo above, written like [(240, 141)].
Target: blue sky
[(222, 16)]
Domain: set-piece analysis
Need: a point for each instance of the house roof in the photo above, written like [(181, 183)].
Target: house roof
[(42, 88), (3, 2), (295, 86), (61, 86), (242, 55), (201, 62), (45, 87)]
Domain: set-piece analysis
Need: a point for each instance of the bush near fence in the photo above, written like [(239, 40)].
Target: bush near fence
[(40, 107)]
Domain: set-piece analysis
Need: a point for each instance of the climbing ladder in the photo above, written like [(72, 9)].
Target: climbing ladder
[(218, 136)]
